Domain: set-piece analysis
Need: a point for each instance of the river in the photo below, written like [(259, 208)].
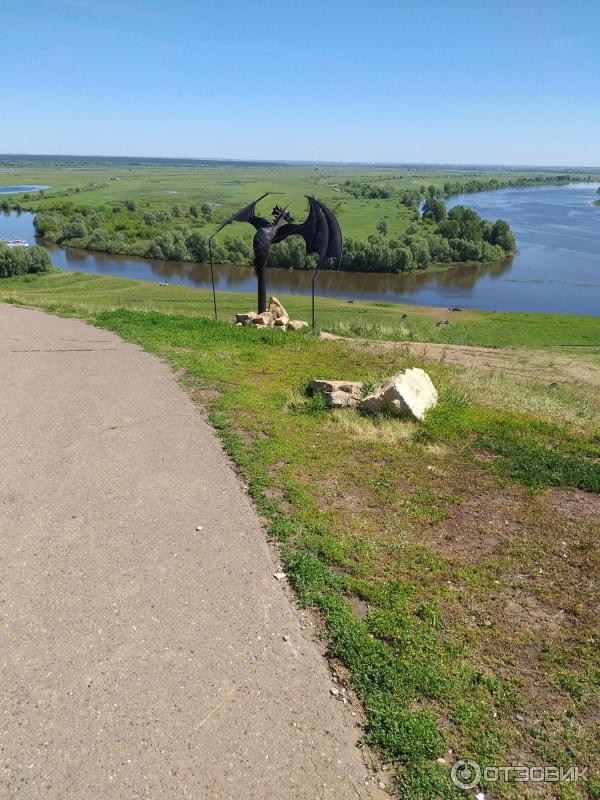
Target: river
[(556, 268)]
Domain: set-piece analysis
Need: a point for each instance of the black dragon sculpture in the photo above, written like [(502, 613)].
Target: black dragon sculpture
[(320, 231)]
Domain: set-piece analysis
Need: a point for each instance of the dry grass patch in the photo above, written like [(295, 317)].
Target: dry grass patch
[(364, 429)]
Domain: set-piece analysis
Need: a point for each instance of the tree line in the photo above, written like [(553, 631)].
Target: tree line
[(23, 260), (368, 191)]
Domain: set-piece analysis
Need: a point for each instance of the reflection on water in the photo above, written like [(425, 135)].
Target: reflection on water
[(557, 267), (229, 277)]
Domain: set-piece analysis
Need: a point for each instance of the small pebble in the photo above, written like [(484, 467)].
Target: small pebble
[(279, 575), (198, 527), (335, 691), (286, 638), (381, 785)]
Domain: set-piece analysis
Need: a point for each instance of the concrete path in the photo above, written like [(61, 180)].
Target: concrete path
[(139, 657)]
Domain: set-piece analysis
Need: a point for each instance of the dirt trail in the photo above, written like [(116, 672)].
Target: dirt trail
[(140, 657), (544, 365)]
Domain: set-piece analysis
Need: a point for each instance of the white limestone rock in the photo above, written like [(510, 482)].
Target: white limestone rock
[(409, 392)]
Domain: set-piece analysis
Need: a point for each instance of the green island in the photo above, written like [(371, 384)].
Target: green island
[(434, 552), (394, 219)]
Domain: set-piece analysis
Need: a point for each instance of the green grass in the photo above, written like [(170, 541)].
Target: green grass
[(234, 185), (90, 293), (460, 601)]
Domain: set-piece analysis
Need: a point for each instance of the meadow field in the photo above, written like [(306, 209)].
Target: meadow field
[(233, 185)]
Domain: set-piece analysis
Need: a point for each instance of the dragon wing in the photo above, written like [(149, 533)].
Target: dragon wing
[(247, 214), (320, 231)]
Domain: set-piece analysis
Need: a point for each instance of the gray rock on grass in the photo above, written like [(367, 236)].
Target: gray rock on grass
[(409, 392), (245, 319), (274, 317), (297, 325), (337, 394)]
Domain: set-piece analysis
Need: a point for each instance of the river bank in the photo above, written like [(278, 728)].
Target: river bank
[(90, 294)]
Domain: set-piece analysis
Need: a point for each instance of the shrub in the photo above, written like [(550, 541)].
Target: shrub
[(23, 260)]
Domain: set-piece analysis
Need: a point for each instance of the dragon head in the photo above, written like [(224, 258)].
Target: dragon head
[(281, 213)]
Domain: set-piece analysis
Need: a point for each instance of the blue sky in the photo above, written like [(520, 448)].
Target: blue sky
[(460, 81)]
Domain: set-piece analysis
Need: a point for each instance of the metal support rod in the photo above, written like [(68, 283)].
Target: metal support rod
[(212, 276), (313, 293), (261, 287)]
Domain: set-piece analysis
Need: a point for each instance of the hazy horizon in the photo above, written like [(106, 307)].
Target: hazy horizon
[(234, 159)]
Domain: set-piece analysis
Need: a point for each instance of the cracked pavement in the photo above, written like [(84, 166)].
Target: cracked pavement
[(142, 658)]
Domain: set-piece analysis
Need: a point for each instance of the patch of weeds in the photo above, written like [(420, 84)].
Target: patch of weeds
[(429, 612), (309, 575), (405, 735), (423, 780), (369, 385), (570, 684), (295, 401), (532, 452), (283, 528), (538, 465), (315, 404)]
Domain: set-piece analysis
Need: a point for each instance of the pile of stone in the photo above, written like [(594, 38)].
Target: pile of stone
[(337, 394), (274, 317), (409, 392)]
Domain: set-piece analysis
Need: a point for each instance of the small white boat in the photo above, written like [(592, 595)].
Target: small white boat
[(15, 242)]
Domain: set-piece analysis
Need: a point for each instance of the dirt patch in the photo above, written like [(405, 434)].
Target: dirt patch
[(574, 503), (277, 467), (275, 493), (549, 367), (334, 496), (485, 455), (478, 528), (247, 438), (206, 394), (360, 607), (524, 612)]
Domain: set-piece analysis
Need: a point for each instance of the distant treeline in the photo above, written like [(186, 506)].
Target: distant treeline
[(172, 234), (412, 197), (491, 184), (23, 260)]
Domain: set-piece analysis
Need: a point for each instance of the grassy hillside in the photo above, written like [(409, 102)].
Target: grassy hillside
[(389, 321), (453, 563)]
